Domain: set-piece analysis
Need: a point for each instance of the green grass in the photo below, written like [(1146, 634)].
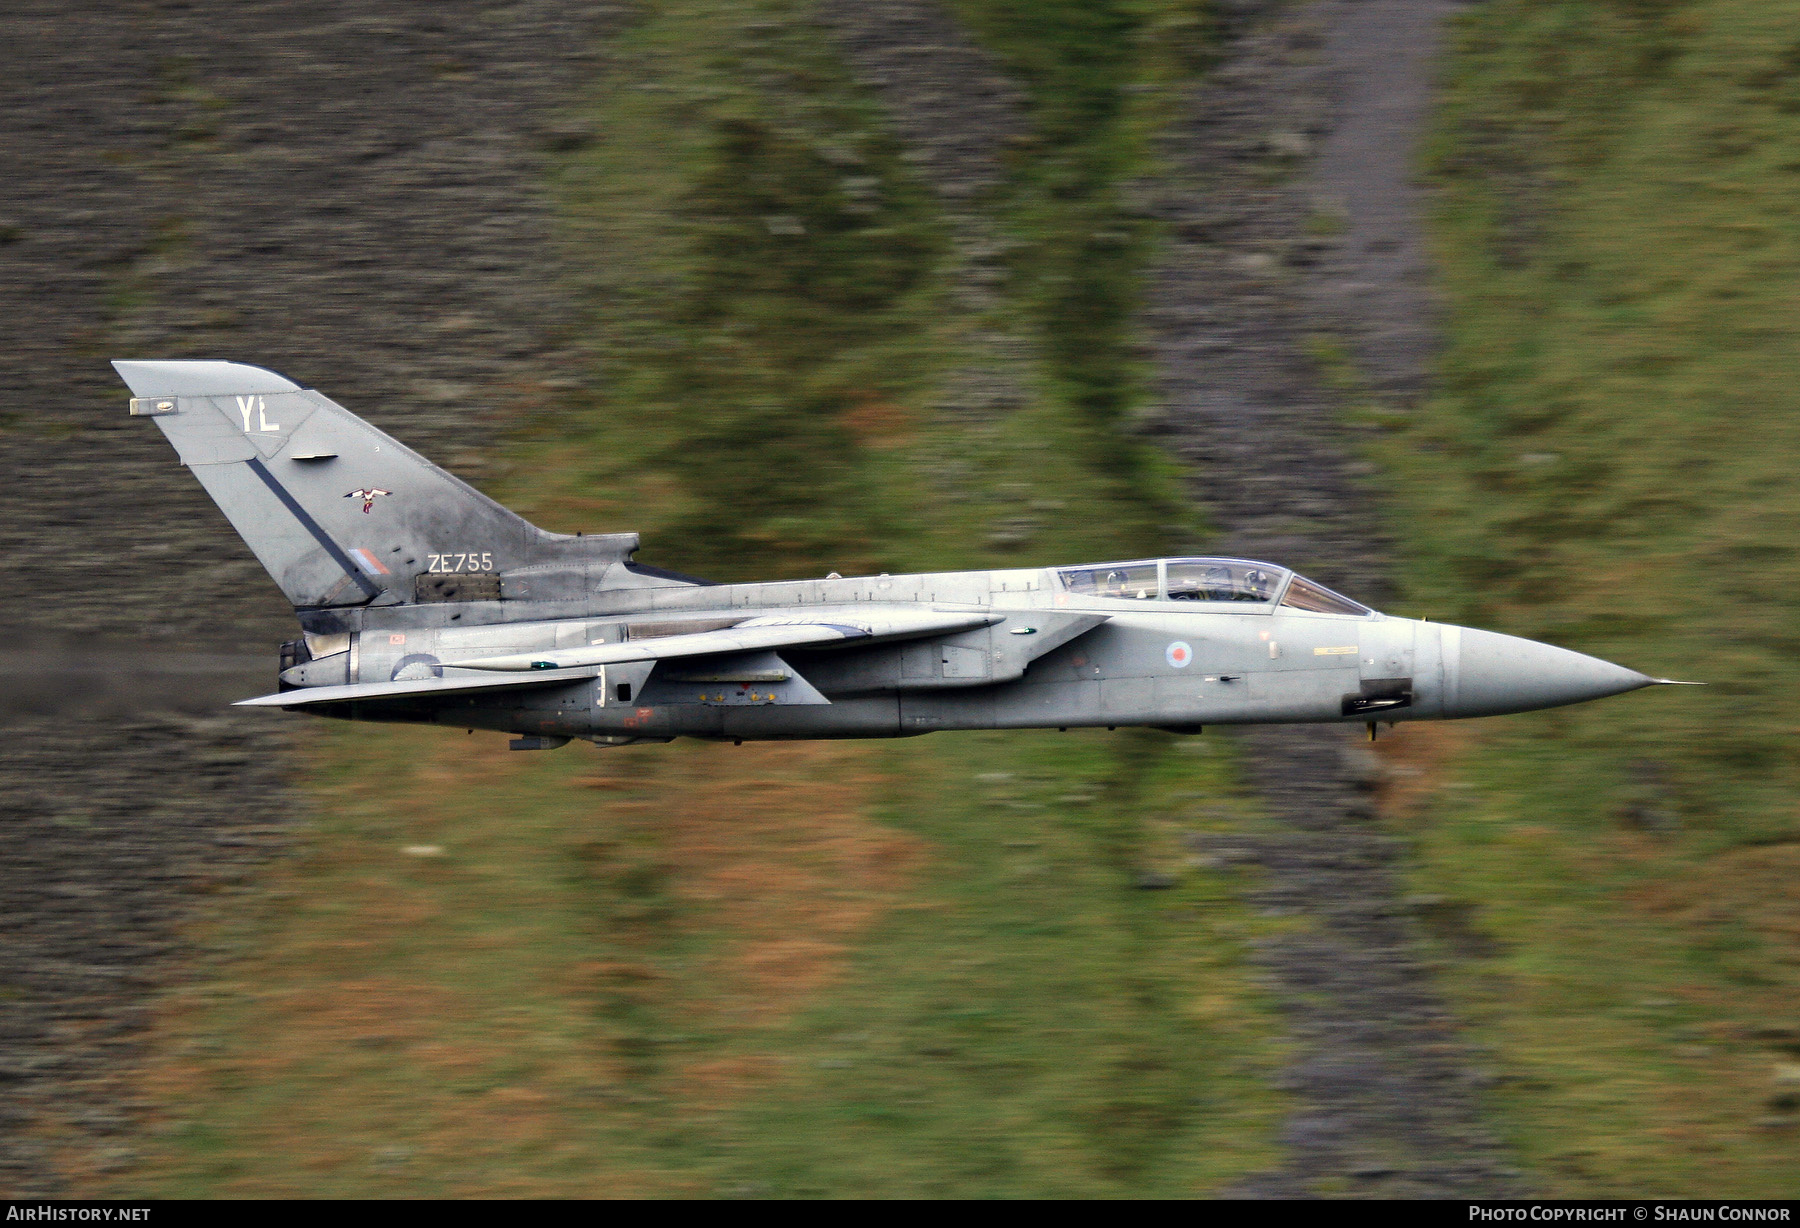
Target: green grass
[(1098, 77), (860, 969), (1607, 467), (921, 969), (1074, 1037), (772, 311)]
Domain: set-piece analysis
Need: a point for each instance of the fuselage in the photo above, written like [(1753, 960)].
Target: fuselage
[(1149, 643), (423, 600)]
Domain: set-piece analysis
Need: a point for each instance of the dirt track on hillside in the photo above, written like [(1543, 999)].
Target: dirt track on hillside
[(1294, 218)]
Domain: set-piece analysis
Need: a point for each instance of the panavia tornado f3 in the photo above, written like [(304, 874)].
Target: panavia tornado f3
[(422, 600)]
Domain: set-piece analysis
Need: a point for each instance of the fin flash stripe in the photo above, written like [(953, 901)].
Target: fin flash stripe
[(367, 560), (312, 526)]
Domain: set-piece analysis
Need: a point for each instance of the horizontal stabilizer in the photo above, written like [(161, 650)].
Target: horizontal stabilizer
[(757, 634), (424, 688)]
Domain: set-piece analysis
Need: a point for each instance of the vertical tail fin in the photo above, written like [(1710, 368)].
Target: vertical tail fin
[(339, 513)]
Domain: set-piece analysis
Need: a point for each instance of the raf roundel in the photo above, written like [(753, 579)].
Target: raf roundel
[(1179, 655)]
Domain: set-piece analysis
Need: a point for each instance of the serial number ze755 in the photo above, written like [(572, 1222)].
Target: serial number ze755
[(460, 562)]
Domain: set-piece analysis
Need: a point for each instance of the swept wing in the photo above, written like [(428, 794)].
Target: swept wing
[(574, 664), (752, 635)]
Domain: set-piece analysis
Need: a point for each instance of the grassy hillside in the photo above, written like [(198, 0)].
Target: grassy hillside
[(925, 968), (775, 310), (1608, 467), (783, 970)]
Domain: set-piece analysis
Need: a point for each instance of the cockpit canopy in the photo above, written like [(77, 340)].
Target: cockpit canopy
[(1236, 581)]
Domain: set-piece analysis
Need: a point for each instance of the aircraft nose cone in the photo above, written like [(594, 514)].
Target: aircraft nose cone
[(1495, 674)]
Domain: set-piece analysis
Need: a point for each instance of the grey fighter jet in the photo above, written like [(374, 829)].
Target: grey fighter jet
[(422, 600)]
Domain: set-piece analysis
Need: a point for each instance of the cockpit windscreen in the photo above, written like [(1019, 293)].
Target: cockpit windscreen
[(1303, 594), (1240, 581)]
